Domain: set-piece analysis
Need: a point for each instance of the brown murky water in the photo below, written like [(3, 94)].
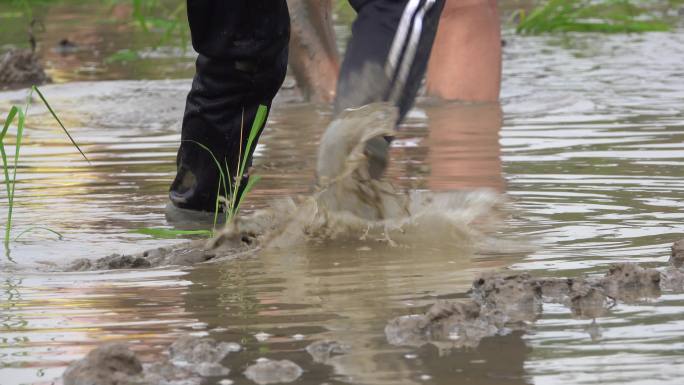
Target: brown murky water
[(590, 152)]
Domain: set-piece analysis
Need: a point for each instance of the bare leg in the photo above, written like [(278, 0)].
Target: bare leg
[(464, 150), (313, 51), (466, 56)]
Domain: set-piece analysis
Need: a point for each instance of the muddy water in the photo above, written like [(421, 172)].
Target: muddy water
[(590, 153)]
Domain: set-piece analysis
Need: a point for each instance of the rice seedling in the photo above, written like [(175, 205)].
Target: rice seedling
[(19, 115), (230, 201), (608, 16)]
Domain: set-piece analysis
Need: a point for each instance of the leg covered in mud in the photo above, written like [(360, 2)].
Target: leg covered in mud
[(243, 49), (385, 61), (388, 52)]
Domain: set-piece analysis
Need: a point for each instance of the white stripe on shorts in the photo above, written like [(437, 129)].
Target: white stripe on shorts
[(410, 54), (400, 38)]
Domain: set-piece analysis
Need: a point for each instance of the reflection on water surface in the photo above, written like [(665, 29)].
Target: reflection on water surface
[(590, 152)]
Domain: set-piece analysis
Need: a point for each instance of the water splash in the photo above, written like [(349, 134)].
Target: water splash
[(348, 204)]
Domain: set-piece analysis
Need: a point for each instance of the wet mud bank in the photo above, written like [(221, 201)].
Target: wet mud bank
[(503, 302)]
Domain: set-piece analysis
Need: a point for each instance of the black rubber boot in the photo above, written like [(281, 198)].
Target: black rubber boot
[(243, 48), (198, 177)]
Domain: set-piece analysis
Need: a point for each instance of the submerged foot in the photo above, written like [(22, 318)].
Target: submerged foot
[(377, 152)]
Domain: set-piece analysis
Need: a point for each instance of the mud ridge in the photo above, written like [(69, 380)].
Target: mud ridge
[(505, 301), (500, 303)]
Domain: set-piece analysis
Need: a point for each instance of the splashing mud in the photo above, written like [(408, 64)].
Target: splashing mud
[(347, 205)]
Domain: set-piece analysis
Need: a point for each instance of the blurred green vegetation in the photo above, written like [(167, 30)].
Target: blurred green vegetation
[(608, 16), (165, 19)]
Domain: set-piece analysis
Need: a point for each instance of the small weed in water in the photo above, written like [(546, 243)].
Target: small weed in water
[(608, 16), (169, 233), (19, 115), (229, 203)]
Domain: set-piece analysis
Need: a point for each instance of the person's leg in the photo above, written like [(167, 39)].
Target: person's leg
[(388, 52), (464, 152), (466, 57), (243, 49), (314, 59)]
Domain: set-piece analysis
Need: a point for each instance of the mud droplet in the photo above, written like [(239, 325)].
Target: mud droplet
[(261, 337), (322, 351), (267, 371)]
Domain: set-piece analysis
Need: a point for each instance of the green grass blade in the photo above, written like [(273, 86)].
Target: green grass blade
[(170, 233), (216, 203), (8, 121), (60, 123), (11, 187), (231, 196), (250, 184), (259, 120), (58, 234), (5, 166)]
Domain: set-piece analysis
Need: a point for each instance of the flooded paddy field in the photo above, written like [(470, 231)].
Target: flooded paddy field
[(587, 146)]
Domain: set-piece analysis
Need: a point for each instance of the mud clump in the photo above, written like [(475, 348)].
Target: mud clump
[(677, 256), (186, 254), (267, 371), (460, 323), (110, 364), (631, 282), (672, 279), (587, 300), (555, 288), (112, 262), (189, 360), (517, 296), (322, 351), (585, 297), (19, 68), (502, 302), (202, 355)]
